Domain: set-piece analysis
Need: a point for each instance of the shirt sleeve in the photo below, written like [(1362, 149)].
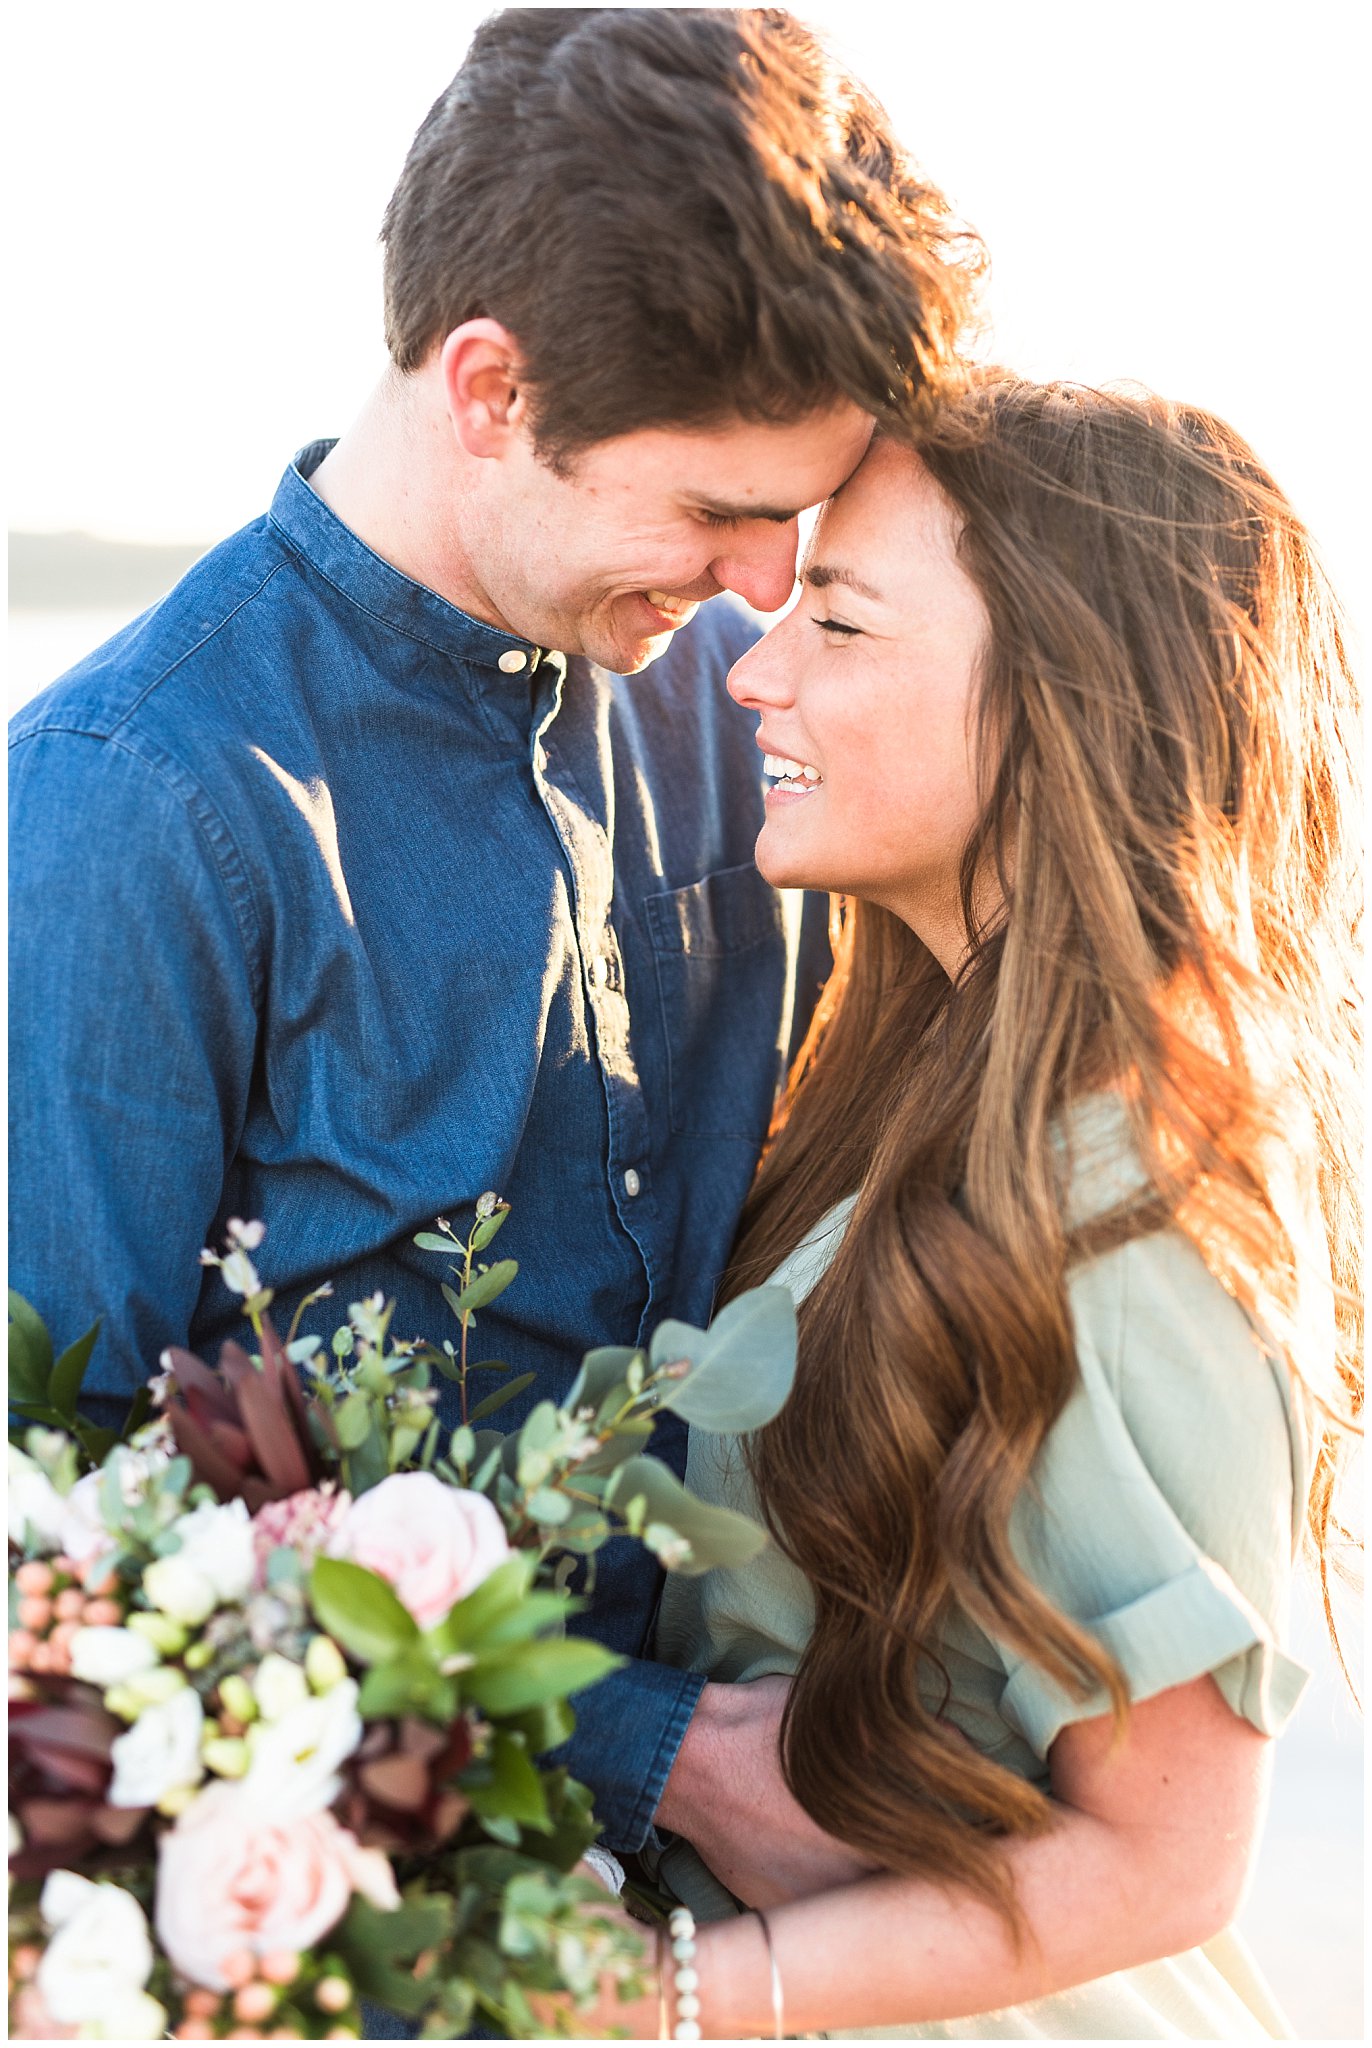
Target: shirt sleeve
[(1163, 1507), (629, 1728), (132, 1037)]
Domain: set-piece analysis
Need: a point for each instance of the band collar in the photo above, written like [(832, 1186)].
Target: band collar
[(319, 535)]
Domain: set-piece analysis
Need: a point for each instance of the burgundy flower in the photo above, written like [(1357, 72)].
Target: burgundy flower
[(399, 1793), (60, 1771), (245, 1428)]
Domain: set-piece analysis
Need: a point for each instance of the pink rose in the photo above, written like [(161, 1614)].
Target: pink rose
[(230, 1877), (433, 1543)]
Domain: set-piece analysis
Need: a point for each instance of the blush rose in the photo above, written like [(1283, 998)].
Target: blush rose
[(233, 1876), (433, 1543)]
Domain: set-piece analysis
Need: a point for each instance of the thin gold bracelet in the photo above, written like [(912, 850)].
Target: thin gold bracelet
[(778, 2005)]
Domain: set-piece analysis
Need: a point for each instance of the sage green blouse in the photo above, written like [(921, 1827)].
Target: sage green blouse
[(1163, 1511)]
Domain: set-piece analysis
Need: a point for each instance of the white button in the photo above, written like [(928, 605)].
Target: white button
[(632, 1183), (513, 660), (600, 972)]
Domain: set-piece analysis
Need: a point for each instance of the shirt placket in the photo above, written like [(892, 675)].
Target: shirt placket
[(579, 817)]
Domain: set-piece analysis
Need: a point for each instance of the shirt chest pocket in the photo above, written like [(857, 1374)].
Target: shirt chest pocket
[(720, 953)]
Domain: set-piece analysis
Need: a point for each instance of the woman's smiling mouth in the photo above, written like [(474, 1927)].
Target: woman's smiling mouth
[(793, 779)]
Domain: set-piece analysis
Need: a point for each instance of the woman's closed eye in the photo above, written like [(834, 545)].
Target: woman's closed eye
[(837, 626)]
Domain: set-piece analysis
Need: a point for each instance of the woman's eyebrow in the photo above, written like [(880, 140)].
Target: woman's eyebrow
[(821, 574)]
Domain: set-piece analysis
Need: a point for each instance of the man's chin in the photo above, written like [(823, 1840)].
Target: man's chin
[(628, 657)]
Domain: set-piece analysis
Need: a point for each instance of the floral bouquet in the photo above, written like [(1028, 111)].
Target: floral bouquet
[(287, 1660)]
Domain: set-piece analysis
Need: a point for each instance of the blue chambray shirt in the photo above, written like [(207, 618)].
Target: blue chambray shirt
[(335, 907)]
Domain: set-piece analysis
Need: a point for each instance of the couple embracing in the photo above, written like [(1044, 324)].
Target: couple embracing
[(419, 843)]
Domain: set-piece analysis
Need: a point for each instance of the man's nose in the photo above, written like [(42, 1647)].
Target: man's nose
[(760, 564)]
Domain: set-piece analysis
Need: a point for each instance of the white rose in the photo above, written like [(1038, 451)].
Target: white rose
[(129, 2016), (84, 1534), (110, 1656), (217, 1542), (278, 1686), (160, 1753), (100, 1955), (295, 1759), (433, 1543), (35, 1505), (177, 1588)]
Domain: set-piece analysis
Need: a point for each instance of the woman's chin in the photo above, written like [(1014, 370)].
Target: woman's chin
[(784, 866)]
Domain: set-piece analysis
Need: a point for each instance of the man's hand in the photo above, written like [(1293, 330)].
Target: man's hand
[(727, 1796)]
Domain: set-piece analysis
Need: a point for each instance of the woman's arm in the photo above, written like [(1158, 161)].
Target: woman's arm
[(1149, 1857)]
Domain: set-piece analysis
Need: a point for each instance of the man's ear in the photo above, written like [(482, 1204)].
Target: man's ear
[(483, 382)]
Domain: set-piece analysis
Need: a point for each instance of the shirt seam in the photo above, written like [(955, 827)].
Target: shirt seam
[(207, 823)]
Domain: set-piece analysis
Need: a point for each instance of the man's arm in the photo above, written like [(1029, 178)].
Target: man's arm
[(727, 1796), (629, 1731), (132, 1036)]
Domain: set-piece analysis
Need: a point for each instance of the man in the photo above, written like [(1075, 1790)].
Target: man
[(353, 880)]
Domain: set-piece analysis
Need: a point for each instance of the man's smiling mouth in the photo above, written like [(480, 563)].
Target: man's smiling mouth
[(675, 609)]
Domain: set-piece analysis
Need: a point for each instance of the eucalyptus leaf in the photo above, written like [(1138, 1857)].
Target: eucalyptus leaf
[(584, 1535), (490, 1403), (630, 1437), (549, 1506), (742, 1367), (601, 1371), (487, 1228), (430, 1241), (717, 1536), (486, 1286), (353, 1421)]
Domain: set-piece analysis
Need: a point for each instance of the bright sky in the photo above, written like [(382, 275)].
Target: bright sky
[(1169, 193)]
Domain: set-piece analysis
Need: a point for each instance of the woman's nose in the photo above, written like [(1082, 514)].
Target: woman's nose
[(760, 679)]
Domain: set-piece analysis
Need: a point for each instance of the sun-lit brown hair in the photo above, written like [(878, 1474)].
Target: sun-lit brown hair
[(681, 213), (1167, 746)]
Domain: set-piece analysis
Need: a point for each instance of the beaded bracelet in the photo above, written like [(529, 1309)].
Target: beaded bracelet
[(681, 1927)]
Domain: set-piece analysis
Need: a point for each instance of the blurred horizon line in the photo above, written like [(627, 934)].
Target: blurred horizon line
[(75, 570)]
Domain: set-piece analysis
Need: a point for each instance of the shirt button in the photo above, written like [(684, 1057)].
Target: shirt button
[(513, 660), (632, 1183), (600, 972)]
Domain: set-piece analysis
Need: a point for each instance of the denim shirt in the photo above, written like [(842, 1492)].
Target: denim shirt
[(335, 907)]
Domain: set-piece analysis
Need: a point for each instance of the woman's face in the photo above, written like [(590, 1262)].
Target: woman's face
[(865, 692)]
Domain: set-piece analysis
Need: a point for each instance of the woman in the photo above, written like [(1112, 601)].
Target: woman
[(1065, 1184)]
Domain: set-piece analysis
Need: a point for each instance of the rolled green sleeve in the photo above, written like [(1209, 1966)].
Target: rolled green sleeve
[(1164, 1504)]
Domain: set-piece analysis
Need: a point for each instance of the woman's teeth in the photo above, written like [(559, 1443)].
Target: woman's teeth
[(790, 774)]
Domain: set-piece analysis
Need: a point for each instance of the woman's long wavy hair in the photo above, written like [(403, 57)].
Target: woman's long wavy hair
[(1166, 737)]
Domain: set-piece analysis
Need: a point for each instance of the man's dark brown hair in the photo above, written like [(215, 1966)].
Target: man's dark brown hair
[(681, 214)]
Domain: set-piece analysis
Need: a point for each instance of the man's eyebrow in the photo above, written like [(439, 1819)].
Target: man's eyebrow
[(719, 510), (819, 575)]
